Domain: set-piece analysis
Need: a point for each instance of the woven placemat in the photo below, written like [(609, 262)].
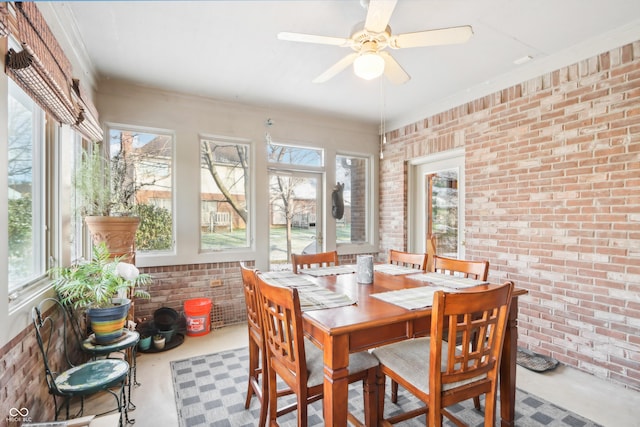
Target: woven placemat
[(535, 362)]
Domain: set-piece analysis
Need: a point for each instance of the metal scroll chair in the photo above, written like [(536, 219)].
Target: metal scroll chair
[(125, 348), (408, 259), (58, 342), (440, 373), (298, 362), (322, 259)]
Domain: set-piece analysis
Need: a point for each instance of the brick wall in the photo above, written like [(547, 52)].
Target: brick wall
[(552, 201), (22, 380), (173, 285)]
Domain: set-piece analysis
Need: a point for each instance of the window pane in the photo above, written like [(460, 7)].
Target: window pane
[(353, 172), (141, 179), (224, 191), (26, 223), (285, 154)]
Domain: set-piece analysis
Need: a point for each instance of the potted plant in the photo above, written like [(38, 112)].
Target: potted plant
[(102, 287), (158, 342), (107, 210)]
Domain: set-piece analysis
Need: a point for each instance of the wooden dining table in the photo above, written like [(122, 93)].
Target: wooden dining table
[(372, 322)]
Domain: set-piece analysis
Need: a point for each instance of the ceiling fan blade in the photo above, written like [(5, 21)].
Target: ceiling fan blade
[(441, 36), (336, 68), (393, 71), (378, 15), (310, 38)]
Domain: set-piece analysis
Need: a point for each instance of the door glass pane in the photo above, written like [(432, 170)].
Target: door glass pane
[(293, 213), (444, 212)]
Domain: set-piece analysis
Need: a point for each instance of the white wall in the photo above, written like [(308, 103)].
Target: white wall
[(191, 116)]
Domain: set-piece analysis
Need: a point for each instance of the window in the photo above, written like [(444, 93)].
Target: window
[(287, 154), (224, 194), (26, 192), (353, 172), (142, 183)]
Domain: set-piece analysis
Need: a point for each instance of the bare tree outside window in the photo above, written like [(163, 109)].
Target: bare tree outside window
[(224, 183)]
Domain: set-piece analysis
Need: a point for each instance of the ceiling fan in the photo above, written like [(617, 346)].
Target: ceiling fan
[(369, 59)]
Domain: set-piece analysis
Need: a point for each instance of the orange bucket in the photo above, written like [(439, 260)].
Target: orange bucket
[(197, 312)]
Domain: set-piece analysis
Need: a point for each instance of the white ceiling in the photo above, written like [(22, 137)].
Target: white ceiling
[(228, 50)]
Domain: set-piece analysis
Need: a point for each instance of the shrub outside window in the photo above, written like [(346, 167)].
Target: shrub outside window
[(26, 190), (142, 184)]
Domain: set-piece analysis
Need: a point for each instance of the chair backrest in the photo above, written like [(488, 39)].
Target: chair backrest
[(480, 318), (57, 339), (408, 259), (283, 333), (322, 259), (251, 300), (472, 269)]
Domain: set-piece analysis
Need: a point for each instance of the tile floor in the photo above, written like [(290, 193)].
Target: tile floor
[(600, 401)]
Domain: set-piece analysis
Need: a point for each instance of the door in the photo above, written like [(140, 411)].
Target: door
[(295, 216), (436, 204)]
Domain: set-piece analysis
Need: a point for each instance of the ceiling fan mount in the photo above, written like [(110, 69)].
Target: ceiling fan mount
[(373, 37)]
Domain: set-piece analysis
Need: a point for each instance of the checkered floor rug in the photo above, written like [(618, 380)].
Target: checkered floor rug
[(210, 391)]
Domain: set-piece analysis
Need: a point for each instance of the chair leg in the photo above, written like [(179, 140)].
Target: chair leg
[(264, 401), (394, 391), (476, 403), (380, 380), (253, 370)]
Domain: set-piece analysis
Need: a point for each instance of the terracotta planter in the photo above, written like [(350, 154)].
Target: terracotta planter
[(118, 232), (107, 323)]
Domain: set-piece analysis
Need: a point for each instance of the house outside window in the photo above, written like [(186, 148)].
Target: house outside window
[(142, 179)]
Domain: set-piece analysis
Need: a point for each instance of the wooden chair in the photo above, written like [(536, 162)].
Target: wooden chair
[(58, 341), (408, 259), (440, 373), (478, 270), (322, 259), (298, 362), (258, 382)]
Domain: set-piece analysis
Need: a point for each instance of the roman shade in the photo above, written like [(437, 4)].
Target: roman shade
[(44, 72), (4, 20), (41, 67), (87, 122)]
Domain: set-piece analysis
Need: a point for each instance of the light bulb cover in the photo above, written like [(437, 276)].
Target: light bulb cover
[(368, 66)]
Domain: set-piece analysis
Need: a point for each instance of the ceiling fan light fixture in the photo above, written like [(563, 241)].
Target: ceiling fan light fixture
[(368, 66)]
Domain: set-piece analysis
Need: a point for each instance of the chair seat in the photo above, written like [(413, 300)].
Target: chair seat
[(92, 376), (358, 362), (129, 339), (403, 357)]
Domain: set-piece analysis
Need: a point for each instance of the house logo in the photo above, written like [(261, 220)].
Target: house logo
[(18, 415)]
